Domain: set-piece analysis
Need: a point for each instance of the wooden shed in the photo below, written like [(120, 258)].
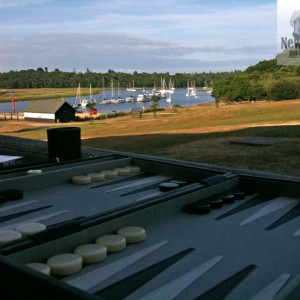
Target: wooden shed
[(49, 111)]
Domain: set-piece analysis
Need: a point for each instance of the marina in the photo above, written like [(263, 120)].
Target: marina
[(178, 98)]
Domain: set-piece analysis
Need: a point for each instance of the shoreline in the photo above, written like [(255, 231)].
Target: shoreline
[(55, 93)]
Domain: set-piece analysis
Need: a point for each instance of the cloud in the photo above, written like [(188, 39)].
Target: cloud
[(4, 4), (78, 49), (100, 52), (137, 35)]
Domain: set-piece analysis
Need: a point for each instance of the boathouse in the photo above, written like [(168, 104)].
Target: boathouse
[(49, 111)]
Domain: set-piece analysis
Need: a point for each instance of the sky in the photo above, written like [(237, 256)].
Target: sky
[(175, 36), (285, 9)]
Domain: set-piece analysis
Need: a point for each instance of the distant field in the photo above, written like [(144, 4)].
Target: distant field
[(203, 133), (47, 93)]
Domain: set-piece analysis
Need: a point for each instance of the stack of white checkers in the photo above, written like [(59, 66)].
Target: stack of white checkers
[(106, 174), (69, 263), (23, 230)]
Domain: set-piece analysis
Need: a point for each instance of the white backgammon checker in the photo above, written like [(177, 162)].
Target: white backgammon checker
[(91, 253), (113, 242), (65, 264), (132, 234)]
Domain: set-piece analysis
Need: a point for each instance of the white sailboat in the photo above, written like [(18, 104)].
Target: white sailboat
[(87, 102), (191, 90), (104, 100), (131, 89), (171, 87), (92, 100), (84, 102), (120, 99), (113, 99), (169, 98), (77, 103), (163, 91), (141, 98)]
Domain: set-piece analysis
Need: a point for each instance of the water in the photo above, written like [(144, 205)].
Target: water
[(178, 98)]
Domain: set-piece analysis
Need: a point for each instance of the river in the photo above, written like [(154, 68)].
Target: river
[(178, 98)]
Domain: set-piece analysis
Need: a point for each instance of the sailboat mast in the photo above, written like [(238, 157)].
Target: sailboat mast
[(103, 88), (79, 93)]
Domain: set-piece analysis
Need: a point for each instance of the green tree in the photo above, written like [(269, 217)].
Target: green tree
[(283, 90), (155, 103), (257, 92)]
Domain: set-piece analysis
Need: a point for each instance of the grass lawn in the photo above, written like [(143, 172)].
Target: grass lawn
[(43, 93), (203, 133)]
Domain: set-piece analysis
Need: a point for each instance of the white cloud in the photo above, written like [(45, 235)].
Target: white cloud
[(144, 35), (4, 4)]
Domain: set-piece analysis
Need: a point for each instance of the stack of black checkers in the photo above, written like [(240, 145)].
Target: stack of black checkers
[(217, 203), (197, 208), (228, 199), (10, 195), (200, 208)]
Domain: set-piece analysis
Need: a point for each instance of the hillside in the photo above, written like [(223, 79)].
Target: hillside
[(263, 81)]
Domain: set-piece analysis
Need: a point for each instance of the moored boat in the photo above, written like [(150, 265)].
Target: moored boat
[(121, 100), (191, 91), (130, 98), (169, 98), (131, 89), (105, 101), (142, 98), (84, 102)]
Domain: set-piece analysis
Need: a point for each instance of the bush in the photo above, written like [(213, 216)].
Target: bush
[(283, 90)]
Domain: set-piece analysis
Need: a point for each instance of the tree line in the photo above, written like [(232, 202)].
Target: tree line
[(43, 78), (264, 81)]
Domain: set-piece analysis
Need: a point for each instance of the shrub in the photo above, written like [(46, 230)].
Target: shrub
[(283, 90)]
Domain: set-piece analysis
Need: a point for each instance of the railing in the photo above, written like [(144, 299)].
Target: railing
[(136, 112), (11, 116)]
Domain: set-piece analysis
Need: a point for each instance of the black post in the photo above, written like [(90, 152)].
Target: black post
[(64, 143)]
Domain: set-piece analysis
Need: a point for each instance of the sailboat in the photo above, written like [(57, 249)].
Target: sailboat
[(92, 100), (113, 99), (131, 98), (163, 91), (120, 99), (169, 98), (131, 89), (104, 100), (191, 90), (78, 99), (171, 87), (87, 102)]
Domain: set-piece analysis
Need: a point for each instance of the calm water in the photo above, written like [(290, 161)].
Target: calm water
[(178, 98)]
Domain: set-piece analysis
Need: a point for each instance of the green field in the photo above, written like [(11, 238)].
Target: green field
[(203, 133), (43, 93)]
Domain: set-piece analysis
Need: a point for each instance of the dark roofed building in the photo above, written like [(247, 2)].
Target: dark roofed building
[(49, 111)]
